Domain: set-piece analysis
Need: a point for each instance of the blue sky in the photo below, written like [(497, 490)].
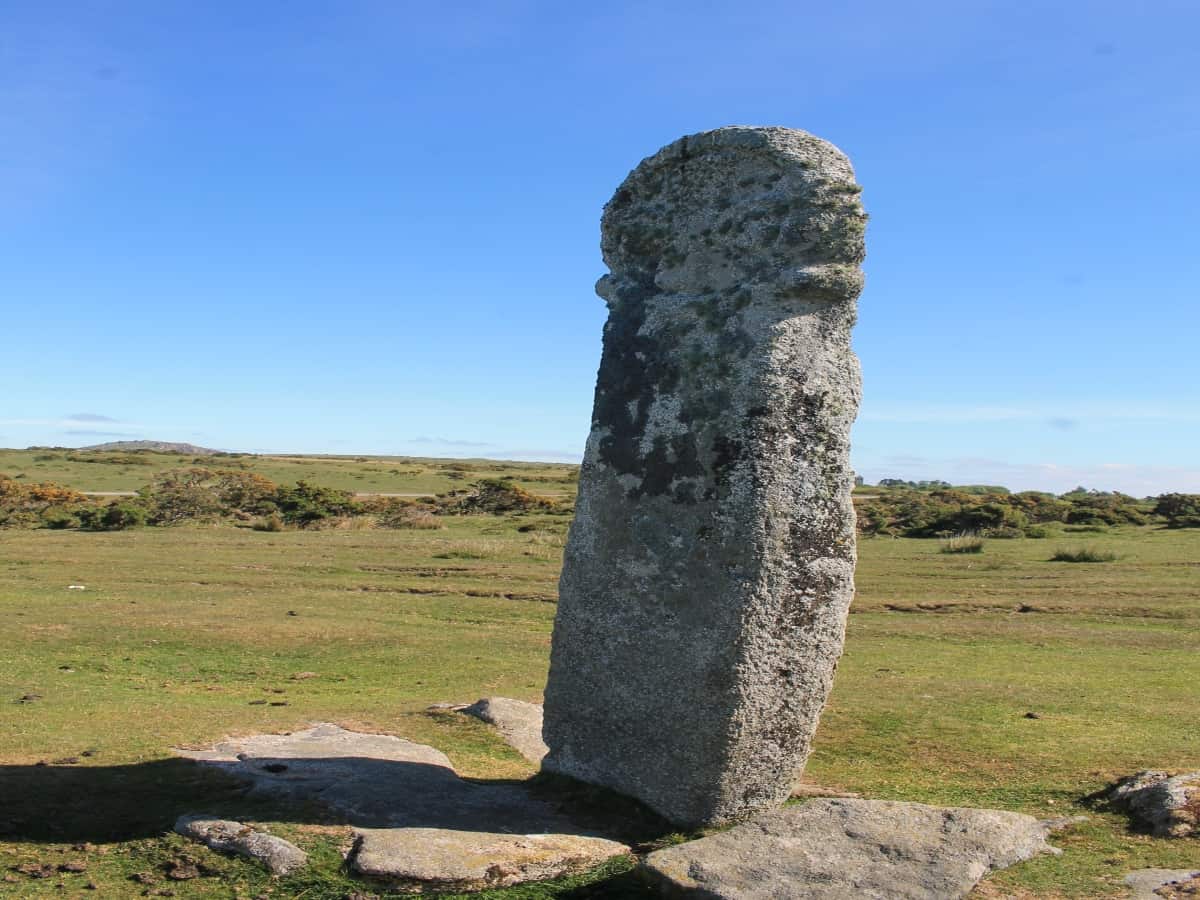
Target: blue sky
[(374, 226)]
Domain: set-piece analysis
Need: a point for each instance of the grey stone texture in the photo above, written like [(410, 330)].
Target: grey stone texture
[(1170, 804), (279, 856), (519, 723), (849, 850), (418, 825), (710, 566), (1155, 884), (440, 859)]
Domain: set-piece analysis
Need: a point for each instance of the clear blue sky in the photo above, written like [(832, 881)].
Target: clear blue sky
[(374, 226)]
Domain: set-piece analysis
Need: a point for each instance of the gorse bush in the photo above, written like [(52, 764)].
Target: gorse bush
[(27, 505), (200, 494)]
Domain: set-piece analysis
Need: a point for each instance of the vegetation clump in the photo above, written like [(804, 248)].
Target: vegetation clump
[(1082, 555), (903, 510), (963, 543), (305, 504), (1179, 510), (491, 496)]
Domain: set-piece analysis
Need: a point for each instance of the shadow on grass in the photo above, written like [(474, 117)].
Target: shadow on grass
[(105, 804)]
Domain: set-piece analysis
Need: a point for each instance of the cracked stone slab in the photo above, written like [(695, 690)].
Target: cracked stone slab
[(849, 849), (417, 822), (1155, 884), (519, 723), (1170, 804), (279, 856)]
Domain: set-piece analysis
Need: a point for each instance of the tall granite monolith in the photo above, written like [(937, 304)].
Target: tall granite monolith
[(710, 566)]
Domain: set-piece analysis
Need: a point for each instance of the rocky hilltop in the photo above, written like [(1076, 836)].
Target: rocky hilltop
[(157, 446)]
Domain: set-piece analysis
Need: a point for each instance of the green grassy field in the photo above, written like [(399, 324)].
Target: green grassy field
[(124, 471), (181, 630)]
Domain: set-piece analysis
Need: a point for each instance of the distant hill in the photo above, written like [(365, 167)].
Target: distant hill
[(157, 446)]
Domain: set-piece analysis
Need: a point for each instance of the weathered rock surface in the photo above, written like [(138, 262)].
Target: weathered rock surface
[(417, 821), (1156, 884), (1168, 804), (710, 565), (519, 723), (850, 850), (438, 859), (279, 856)]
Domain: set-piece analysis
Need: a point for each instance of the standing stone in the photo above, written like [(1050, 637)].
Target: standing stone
[(710, 566)]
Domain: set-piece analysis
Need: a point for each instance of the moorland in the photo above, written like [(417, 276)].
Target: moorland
[(997, 676)]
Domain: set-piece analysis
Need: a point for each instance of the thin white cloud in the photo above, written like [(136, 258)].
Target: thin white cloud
[(961, 415), (68, 422), (85, 432), (448, 442), (540, 455), (91, 417)]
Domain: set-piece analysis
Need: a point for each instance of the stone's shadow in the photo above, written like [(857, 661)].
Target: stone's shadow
[(379, 781), (102, 804)]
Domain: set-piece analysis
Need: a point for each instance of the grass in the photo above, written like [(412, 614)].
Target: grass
[(963, 543), (123, 471), (179, 630), (1083, 555)]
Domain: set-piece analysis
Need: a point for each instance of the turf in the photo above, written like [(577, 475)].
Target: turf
[(182, 632), (128, 471)]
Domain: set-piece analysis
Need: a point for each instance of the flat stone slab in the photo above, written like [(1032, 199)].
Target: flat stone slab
[(1155, 884), (419, 825), (849, 849), (279, 856), (1170, 804), (430, 859), (519, 723)]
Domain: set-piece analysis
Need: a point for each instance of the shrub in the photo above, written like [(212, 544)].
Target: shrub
[(25, 505), (60, 519), (493, 495), (306, 503), (179, 495), (963, 543), (245, 493), (1082, 555), (117, 516), (1179, 510)]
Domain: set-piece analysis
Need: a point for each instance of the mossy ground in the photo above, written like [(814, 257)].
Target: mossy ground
[(182, 632)]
